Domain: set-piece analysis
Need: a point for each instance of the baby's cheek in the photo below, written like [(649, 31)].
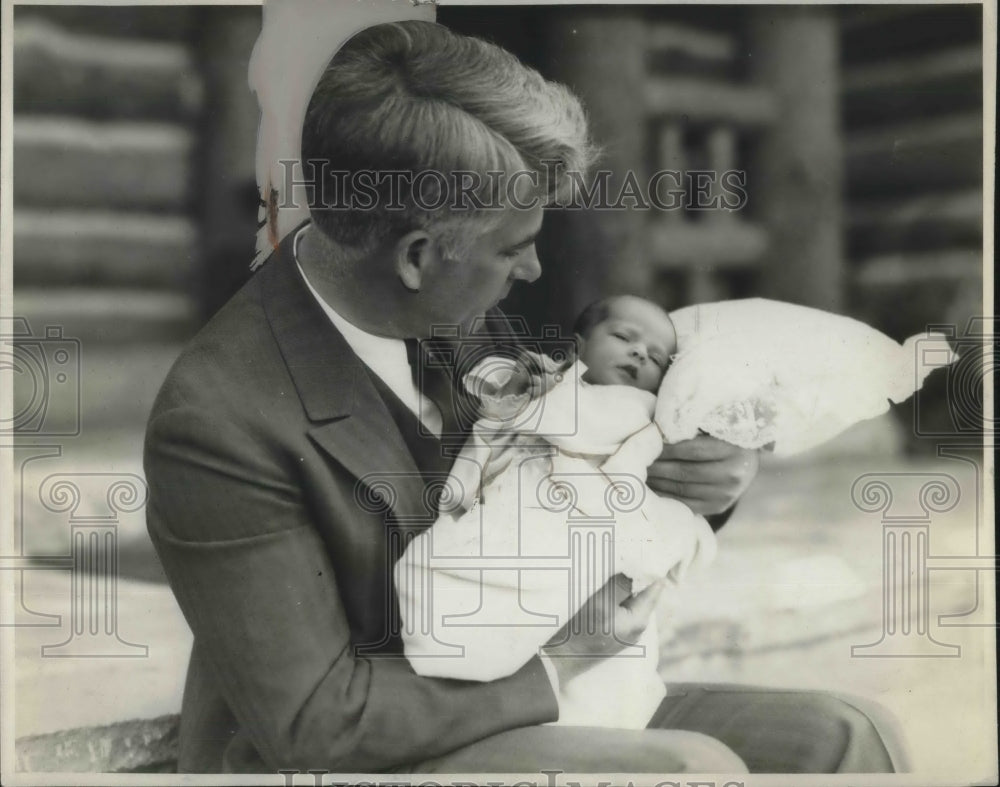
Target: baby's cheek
[(650, 381)]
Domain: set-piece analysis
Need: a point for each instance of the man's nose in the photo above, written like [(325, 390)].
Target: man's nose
[(529, 268)]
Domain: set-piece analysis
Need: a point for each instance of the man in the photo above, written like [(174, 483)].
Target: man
[(289, 452)]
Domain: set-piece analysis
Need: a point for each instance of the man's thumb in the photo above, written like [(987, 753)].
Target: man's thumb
[(642, 604)]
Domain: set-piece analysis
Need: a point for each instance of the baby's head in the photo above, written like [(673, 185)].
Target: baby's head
[(625, 340)]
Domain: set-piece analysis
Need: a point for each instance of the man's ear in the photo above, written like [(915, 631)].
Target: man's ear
[(412, 258)]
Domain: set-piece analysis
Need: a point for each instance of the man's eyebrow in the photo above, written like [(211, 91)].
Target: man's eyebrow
[(523, 243)]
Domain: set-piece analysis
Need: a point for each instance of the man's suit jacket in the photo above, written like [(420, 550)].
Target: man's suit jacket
[(261, 456)]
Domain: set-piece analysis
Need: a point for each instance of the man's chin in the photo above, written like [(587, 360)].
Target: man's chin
[(466, 325)]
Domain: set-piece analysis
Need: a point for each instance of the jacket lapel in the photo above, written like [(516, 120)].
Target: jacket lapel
[(349, 419)]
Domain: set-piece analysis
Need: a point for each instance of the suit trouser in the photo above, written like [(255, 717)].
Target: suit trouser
[(708, 728)]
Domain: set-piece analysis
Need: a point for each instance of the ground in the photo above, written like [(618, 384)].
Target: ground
[(798, 582)]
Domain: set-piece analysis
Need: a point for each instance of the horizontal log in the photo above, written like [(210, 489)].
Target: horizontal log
[(140, 745), (693, 41), (156, 23), (962, 207), (915, 29), (682, 245), (913, 71), (934, 84), (93, 248), (937, 220), (106, 387), (119, 383), (59, 72), (107, 316), (855, 18), (901, 269), (67, 161), (710, 101), (933, 154)]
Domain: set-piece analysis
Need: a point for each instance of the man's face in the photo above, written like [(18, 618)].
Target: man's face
[(631, 346), (459, 290)]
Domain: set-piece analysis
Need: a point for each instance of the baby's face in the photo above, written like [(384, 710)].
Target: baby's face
[(631, 346)]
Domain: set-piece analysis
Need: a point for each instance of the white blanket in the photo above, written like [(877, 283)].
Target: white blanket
[(548, 499)]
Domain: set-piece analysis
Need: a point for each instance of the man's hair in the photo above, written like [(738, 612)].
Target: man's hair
[(415, 96)]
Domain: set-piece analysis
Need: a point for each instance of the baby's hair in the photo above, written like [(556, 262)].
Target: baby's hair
[(598, 311), (592, 314)]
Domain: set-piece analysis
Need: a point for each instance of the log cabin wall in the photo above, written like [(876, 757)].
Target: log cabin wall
[(106, 106), (860, 130), (134, 198), (106, 241), (912, 116), (687, 88)]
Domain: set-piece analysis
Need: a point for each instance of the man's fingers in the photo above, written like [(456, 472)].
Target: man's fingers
[(704, 499), (693, 473), (702, 448), (735, 471), (667, 486), (703, 507)]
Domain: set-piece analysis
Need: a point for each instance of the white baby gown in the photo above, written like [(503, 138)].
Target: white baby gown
[(524, 538), (564, 508)]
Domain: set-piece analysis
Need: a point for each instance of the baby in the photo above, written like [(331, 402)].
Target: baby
[(565, 499), (625, 340), (547, 500)]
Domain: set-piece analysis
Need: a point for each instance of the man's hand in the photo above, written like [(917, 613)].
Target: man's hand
[(610, 620), (706, 474)]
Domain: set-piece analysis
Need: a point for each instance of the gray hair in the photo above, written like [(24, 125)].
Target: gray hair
[(416, 96)]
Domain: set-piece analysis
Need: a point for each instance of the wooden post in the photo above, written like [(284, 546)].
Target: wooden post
[(796, 187), (671, 157), (227, 188), (600, 55)]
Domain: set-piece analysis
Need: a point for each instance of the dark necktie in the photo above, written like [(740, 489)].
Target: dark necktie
[(432, 367)]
